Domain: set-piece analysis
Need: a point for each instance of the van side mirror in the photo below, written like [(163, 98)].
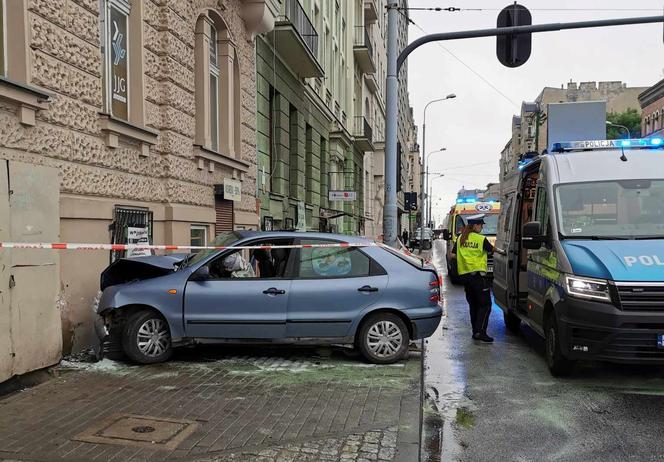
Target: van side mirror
[(532, 235), (201, 274), (446, 234)]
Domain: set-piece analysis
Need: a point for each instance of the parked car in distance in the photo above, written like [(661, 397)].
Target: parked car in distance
[(426, 237), (372, 297)]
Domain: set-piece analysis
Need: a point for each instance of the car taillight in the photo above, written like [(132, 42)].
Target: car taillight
[(434, 290)]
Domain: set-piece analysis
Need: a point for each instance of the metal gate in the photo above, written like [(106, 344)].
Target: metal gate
[(125, 218), (224, 211)]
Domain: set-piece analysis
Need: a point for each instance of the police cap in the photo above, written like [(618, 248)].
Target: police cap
[(476, 219)]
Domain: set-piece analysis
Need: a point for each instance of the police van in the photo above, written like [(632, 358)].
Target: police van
[(580, 251), (456, 220)]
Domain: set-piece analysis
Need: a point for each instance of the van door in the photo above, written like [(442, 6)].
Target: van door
[(501, 257)]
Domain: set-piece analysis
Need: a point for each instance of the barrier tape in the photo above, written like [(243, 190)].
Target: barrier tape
[(122, 247)]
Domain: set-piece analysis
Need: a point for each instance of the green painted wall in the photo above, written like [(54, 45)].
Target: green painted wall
[(299, 170)]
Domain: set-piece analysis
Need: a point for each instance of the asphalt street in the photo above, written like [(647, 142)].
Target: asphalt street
[(498, 402)]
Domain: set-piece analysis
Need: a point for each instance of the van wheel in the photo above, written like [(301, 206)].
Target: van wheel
[(383, 338), (147, 338), (559, 365), (512, 322)]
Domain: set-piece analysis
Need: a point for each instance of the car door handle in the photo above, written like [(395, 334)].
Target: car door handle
[(368, 289), (274, 291)]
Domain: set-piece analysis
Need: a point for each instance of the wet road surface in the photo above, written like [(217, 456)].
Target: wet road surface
[(499, 403)]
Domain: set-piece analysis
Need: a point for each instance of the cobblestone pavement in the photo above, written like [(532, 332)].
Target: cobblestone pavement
[(249, 404)]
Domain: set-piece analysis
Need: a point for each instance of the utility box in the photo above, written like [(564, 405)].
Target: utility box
[(30, 321), (575, 121)]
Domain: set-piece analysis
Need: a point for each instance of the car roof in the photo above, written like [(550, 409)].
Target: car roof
[(248, 234)]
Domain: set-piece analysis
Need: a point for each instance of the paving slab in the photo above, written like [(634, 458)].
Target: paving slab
[(216, 404)]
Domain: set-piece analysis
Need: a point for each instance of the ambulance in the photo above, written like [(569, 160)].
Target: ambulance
[(456, 220), (579, 255)]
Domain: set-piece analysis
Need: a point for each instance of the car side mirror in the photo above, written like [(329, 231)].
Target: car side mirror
[(446, 234), (201, 274), (532, 235)]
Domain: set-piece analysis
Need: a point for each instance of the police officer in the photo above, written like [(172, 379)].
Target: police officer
[(471, 249)]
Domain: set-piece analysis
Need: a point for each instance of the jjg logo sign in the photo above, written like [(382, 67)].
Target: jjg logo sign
[(118, 64)]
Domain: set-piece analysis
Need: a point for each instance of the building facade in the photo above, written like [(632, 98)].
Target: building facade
[(529, 128), (651, 102), (147, 111)]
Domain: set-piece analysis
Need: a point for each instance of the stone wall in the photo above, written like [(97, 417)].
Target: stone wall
[(172, 180)]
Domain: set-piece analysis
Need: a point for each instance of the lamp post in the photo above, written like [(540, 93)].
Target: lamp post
[(430, 201), (424, 145), (611, 124), (427, 182)]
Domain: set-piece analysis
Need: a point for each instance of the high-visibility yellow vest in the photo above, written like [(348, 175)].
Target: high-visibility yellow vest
[(471, 255)]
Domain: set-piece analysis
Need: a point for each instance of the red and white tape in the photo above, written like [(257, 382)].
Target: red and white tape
[(122, 247)]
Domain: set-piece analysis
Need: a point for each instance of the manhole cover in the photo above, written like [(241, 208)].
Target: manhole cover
[(137, 430)]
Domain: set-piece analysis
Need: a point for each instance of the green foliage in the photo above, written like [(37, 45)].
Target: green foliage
[(630, 118)]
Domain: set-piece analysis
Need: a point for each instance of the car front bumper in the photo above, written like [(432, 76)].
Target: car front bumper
[(601, 331)]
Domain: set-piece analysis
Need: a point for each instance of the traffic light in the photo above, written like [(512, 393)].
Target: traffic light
[(410, 199), (513, 50)]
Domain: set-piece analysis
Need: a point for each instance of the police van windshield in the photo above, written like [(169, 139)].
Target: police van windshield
[(611, 209)]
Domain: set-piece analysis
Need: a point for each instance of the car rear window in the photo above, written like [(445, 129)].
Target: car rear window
[(411, 259)]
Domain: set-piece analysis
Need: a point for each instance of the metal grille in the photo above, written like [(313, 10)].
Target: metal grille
[(641, 297), (125, 218), (297, 16)]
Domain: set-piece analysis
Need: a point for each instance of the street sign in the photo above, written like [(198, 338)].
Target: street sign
[(232, 190), (346, 196), (513, 50)]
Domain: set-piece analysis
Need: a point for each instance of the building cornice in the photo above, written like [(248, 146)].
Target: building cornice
[(652, 94)]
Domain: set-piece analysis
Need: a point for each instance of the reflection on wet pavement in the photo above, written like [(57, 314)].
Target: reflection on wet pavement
[(499, 402)]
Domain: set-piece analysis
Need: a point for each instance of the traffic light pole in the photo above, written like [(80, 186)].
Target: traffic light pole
[(395, 62)]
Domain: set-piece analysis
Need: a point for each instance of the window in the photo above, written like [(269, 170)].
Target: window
[(458, 224), (253, 263), (198, 236), (217, 87), (333, 262), (271, 132), (214, 89), (542, 212), (2, 37)]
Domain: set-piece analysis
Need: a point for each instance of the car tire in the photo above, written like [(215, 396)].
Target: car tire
[(512, 322), (559, 365), (147, 338), (383, 338)]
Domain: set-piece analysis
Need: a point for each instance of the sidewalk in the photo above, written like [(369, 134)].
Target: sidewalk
[(220, 404)]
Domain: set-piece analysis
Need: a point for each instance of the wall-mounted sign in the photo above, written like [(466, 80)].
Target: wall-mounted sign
[(117, 44), (138, 236), (232, 190), (301, 217), (346, 196)]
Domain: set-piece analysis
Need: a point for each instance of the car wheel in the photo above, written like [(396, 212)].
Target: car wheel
[(512, 321), (558, 364), (383, 338), (147, 338)]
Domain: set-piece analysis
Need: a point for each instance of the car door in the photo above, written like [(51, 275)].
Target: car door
[(330, 289), (246, 306), (502, 269)]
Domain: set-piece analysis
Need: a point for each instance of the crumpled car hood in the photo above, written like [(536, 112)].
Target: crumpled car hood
[(138, 268)]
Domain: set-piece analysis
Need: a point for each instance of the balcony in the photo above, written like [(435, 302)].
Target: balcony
[(370, 11), (296, 40), (363, 50), (372, 82), (363, 134)]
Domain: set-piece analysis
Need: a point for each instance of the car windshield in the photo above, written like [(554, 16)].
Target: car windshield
[(611, 209), (222, 240), (490, 224)]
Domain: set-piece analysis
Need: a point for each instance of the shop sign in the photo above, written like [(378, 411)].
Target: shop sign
[(232, 190), (346, 196)]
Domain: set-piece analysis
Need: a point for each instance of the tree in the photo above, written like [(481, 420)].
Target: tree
[(631, 118)]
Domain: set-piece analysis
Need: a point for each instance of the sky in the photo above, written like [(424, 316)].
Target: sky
[(475, 126)]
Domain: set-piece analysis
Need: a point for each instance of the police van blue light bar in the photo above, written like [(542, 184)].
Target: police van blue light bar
[(608, 144)]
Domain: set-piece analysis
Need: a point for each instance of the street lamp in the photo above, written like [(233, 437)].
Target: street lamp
[(611, 124), (440, 175), (423, 187), (427, 178)]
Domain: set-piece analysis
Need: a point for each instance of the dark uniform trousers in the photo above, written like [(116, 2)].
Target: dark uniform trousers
[(478, 295)]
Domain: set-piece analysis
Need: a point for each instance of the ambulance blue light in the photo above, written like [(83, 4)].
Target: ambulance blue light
[(470, 200), (459, 201)]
